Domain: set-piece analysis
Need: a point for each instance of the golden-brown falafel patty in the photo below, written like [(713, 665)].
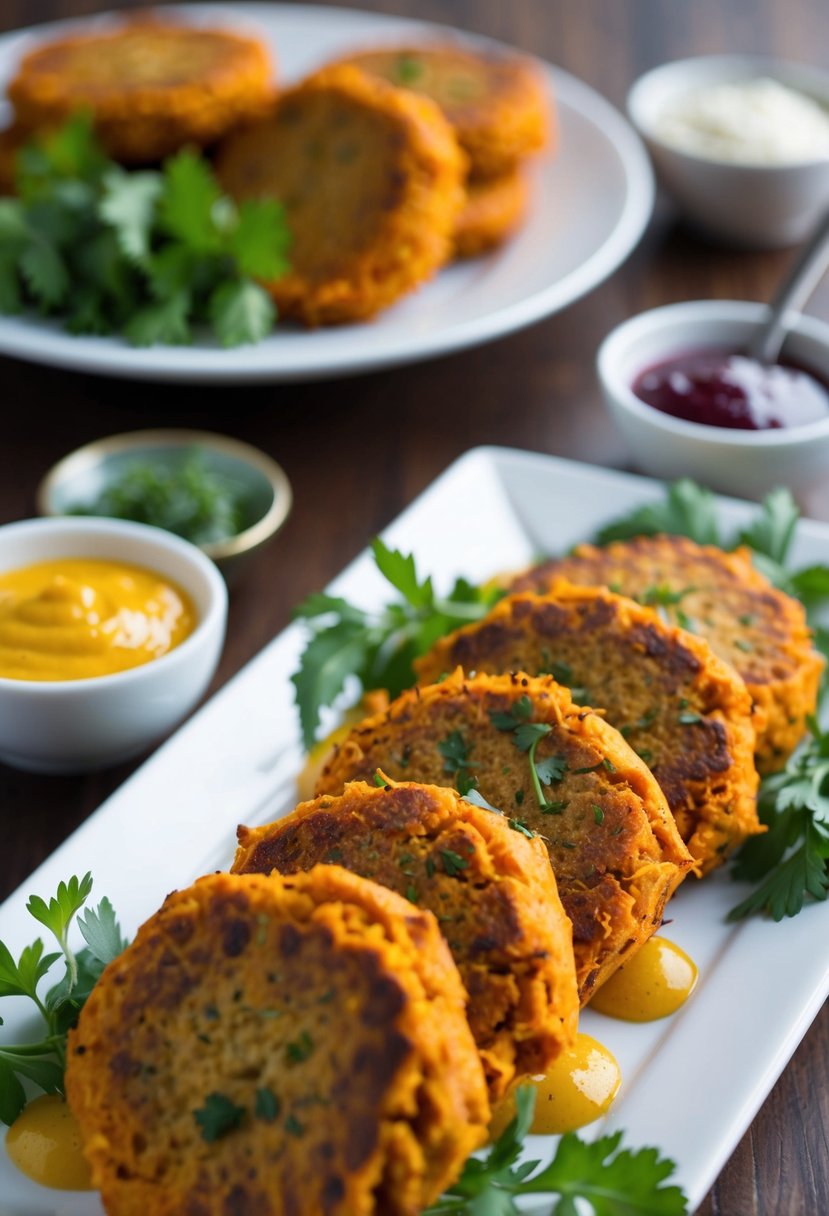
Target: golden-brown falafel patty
[(493, 209), (371, 179), (612, 840), (151, 86), (684, 711), (278, 1045), (499, 104), (491, 889), (759, 630)]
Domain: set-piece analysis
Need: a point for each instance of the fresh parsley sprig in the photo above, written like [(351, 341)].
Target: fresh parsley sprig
[(147, 254), (611, 1180), (377, 648), (789, 862), (43, 1061)]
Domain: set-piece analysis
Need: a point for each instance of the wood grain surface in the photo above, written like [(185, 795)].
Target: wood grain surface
[(358, 450)]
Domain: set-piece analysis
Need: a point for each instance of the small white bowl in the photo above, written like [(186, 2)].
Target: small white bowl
[(74, 726), (744, 463), (753, 205)]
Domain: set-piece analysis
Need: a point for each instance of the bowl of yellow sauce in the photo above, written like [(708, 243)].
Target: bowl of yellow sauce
[(110, 632)]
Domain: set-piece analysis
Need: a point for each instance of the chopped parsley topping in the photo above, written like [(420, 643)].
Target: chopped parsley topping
[(267, 1106), (453, 863), (218, 1116), (300, 1049)]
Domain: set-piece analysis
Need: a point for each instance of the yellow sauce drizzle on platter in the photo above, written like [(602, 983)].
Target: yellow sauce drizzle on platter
[(44, 1142), (579, 1088), (655, 983)]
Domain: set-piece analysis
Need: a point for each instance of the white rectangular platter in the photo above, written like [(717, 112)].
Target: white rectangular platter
[(692, 1083)]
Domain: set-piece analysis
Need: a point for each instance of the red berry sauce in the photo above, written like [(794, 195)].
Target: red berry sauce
[(718, 388)]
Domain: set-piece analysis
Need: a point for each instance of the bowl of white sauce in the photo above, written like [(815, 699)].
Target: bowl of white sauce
[(740, 142)]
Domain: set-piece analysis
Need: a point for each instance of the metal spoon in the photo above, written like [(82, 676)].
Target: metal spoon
[(809, 268)]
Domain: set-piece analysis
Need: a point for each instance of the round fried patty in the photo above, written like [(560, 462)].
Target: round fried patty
[(759, 630), (371, 179), (278, 1047), (491, 889), (685, 712), (151, 86), (493, 208), (612, 841), (498, 104)]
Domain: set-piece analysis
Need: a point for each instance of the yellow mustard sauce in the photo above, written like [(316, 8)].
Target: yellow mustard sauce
[(654, 984), (579, 1088), (76, 618), (44, 1142)]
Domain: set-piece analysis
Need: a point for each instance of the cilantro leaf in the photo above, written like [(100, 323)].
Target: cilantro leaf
[(399, 569), (688, 510), (771, 533), (101, 932), (218, 1116), (43, 1061), (260, 239), (11, 301), (476, 798), (128, 204), (551, 769), (189, 195), (44, 272), (165, 322), (529, 733), (329, 658), (241, 311), (790, 859), (611, 1180), (378, 648)]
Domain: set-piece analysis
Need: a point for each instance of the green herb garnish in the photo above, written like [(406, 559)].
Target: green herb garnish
[(43, 1061), (218, 1116), (146, 254), (453, 863), (790, 860), (188, 498), (610, 1180), (377, 647)]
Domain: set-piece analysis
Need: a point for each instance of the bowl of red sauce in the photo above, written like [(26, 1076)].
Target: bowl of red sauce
[(691, 403)]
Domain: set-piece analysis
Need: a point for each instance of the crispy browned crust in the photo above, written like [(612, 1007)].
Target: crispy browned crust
[(371, 178), (685, 712), (493, 209), (613, 843), (491, 889), (151, 85), (759, 630), (329, 991), (499, 105)]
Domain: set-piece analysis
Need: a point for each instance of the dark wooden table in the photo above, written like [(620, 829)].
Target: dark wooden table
[(358, 450)]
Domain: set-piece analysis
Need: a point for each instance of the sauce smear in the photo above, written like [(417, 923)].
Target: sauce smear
[(579, 1088), (655, 983), (44, 1142), (719, 388)]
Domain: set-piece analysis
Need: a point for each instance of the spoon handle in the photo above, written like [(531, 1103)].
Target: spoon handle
[(808, 269)]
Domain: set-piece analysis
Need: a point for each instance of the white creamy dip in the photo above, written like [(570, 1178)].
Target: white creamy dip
[(757, 121)]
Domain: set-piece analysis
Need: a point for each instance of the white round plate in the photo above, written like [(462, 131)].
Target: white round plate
[(590, 204)]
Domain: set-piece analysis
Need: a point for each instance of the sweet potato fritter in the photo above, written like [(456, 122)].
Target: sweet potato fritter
[(759, 630), (613, 843), (277, 1046), (152, 86), (371, 178), (491, 889), (683, 710), (493, 209), (499, 104)]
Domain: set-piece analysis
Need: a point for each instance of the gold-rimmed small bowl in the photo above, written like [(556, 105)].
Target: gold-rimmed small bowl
[(76, 482)]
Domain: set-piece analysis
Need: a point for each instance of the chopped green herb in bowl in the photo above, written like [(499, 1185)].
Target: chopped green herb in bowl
[(222, 495)]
